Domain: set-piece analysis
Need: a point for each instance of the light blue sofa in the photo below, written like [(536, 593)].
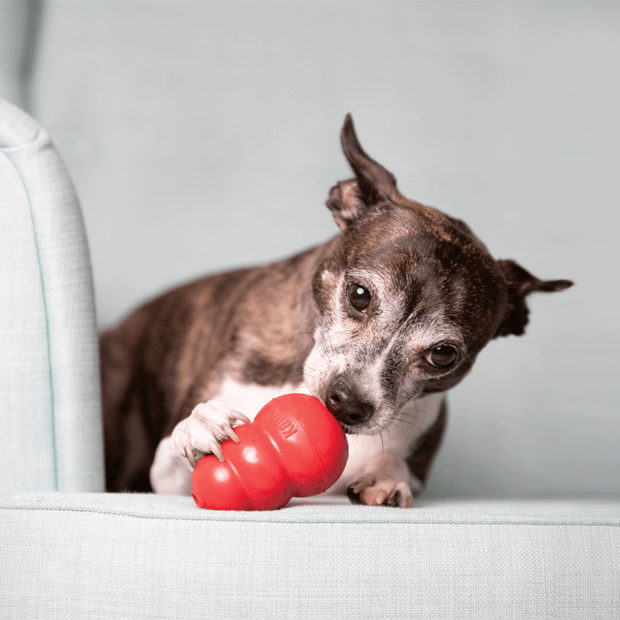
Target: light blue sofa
[(68, 550)]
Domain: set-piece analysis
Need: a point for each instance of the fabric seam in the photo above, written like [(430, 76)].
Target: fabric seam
[(6, 154), (439, 520)]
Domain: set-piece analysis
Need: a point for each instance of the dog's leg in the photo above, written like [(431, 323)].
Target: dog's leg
[(381, 474), (170, 474), (201, 433)]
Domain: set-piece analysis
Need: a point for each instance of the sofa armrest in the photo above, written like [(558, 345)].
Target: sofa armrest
[(50, 420)]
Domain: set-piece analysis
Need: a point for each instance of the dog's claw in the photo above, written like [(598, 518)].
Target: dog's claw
[(232, 435), (218, 452), (238, 417), (380, 498), (242, 418), (190, 457), (355, 488)]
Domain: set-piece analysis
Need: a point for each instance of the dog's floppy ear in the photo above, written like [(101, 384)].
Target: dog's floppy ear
[(520, 284), (350, 199)]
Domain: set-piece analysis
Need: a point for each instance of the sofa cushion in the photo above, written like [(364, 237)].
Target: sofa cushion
[(146, 556)]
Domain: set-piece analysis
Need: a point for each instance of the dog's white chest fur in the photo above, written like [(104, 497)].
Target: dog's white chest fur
[(250, 398)]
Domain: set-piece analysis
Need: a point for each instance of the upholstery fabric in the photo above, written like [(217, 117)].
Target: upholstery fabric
[(144, 556), (49, 395), (71, 555)]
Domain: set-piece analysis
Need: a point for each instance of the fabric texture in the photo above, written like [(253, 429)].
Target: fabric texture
[(49, 394), (74, 555), (144, 556)]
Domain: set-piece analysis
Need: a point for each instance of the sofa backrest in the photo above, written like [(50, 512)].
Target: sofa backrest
[(50, 422), (201, 137)]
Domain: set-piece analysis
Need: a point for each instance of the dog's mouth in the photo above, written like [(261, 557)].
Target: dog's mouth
[(374, 427)]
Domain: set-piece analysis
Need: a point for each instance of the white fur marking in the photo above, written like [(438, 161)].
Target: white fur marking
[(251, 398)]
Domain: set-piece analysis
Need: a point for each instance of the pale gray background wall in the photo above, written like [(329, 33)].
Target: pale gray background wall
[(204, 135)]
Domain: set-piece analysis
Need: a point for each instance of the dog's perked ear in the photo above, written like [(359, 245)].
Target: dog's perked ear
[(348, 200), (520, 284)]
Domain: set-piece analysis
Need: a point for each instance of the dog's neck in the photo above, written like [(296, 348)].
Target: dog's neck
[(279, 320)]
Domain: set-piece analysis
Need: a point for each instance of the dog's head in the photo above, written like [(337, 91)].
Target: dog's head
[(408, 297)]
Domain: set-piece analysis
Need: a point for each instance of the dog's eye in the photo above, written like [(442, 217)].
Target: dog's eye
[(442, 356), (358, 296)]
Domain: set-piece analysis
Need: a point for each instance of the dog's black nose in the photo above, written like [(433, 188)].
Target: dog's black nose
[(345, 405)]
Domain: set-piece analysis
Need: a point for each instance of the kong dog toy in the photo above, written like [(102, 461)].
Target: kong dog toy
[(294, 448)]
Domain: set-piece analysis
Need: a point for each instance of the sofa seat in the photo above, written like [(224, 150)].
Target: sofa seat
[(92, 555)]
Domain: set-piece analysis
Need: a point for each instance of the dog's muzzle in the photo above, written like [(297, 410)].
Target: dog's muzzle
[(346, 405)]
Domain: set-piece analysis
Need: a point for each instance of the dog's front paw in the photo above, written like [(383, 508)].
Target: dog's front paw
[(209, 424), (373, 491)]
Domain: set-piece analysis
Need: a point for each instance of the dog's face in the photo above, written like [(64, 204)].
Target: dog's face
[(407, 299)]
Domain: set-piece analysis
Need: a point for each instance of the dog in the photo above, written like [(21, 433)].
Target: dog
[(378, 323)]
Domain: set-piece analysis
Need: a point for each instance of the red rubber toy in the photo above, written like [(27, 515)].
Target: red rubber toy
[(294, 448)]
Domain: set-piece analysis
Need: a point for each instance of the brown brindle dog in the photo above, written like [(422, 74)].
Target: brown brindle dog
[(377, 323)]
